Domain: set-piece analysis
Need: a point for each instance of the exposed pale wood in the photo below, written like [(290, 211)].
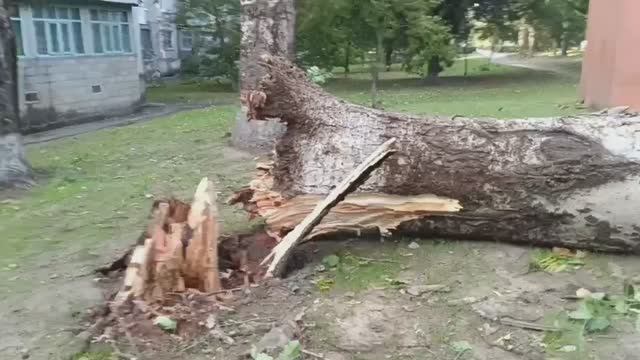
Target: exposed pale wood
[(177, 251), (357, 213), (281, 252)]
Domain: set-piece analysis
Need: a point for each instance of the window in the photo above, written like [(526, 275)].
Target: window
[(16, 25), (187, 40), (58, 30), (110, 31), (166, 36), (147, 46)]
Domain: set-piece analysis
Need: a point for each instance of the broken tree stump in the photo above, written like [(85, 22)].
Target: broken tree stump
[(570, 182), (179, 250)]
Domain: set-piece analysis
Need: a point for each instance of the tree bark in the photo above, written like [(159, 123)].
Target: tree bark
[(268, 27), (14, 168), (561, 181)]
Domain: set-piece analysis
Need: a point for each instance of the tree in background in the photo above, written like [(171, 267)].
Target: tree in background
[(14, 169), (219, 22)]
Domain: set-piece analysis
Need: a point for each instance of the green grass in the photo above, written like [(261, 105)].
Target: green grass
[(488, 90), (356, 273), (193, 92), (98, 187)]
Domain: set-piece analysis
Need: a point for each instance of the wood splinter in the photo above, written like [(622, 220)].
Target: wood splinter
[(280, 254)]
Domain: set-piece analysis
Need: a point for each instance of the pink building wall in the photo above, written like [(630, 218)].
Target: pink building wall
[(611, 66)]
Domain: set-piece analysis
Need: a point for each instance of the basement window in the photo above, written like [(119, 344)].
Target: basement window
[(96, 89), (31, 97)]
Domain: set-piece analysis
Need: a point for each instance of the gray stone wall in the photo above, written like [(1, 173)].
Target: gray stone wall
[(75, 89)]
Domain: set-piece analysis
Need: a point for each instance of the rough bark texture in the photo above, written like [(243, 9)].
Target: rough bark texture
[(14, 169), (564, 181), (268, 27)]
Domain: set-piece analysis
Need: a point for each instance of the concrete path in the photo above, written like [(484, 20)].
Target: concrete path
[(148, 112)]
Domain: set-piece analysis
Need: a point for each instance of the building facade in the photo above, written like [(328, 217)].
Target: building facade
[(159, 37), (77, 61), (610, 71)]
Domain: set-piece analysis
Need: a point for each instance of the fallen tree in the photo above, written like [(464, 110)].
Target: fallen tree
[(567, 181)]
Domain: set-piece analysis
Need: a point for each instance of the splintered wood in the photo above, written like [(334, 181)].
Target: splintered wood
[(357, 213), (179, 250)]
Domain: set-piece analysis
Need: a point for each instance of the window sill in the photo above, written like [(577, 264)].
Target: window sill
[(79, 56)]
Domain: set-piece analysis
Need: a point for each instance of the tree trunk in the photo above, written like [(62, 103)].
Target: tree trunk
[(388, 55), (347, 59), (268, 27), (524, 37), (14, 169), (564, 45), (562, 181), (375, 70), (434, 68)]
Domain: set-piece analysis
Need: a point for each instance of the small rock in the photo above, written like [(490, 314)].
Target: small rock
[(24, 353), (465, 300), (211, 322), (53, 276), (413, 245), (568, 348), (350, 294), (488, 329), (583, 293), (220, 335), (276, 338)]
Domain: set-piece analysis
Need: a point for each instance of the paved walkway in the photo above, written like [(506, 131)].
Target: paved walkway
[(148, 112)]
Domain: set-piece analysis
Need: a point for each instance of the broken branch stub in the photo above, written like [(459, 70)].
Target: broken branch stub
[(179, 250), (281, 252)]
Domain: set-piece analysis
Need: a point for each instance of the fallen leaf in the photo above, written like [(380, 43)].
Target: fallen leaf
[(331, 261), (166, 323), (461, 346), (291, 351), (598, 324), (582, 313), (413, 245)]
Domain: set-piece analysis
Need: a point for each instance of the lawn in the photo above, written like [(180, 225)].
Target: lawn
[(95, 190), (488, 90)]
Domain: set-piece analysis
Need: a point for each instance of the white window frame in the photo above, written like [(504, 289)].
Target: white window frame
[(109, 24), (69, 22), (182, 37), (172, 43)]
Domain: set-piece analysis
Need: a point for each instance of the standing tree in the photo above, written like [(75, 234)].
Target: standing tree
[(268, 27), (14, 169)]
